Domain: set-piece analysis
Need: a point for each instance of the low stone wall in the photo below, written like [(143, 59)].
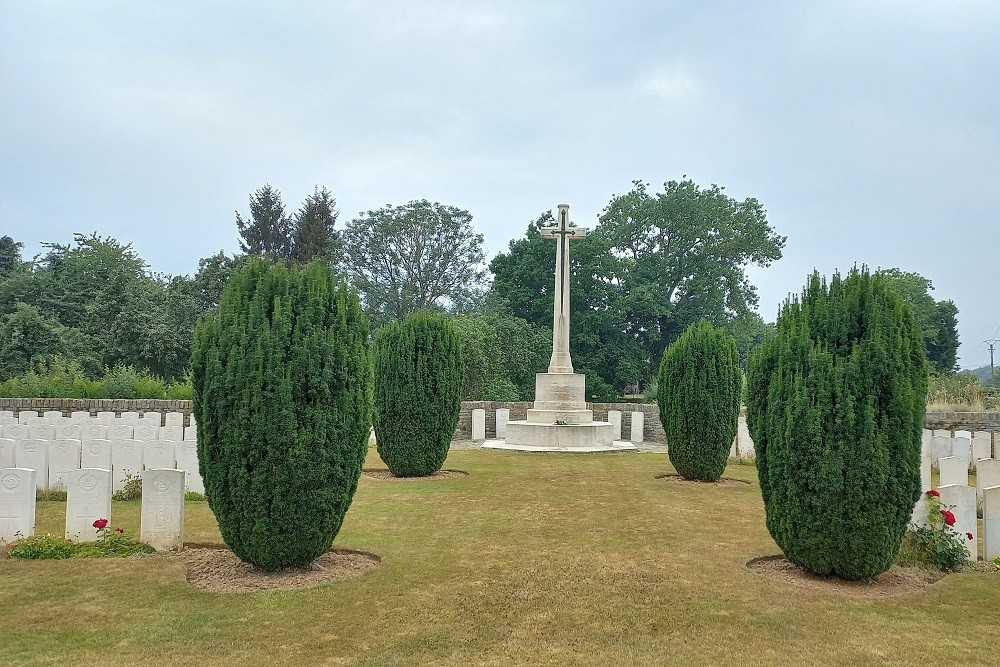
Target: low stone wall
[(95, 405), (967, 421), (652, 429)]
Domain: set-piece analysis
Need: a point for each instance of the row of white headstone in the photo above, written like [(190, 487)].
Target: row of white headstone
[(503, 416), (152, 418), (88, 499), (124, 445), (954, 455)]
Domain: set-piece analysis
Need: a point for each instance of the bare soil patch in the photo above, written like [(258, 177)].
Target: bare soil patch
[(379, 473), (723, 481), (218, 569), (897, 581)]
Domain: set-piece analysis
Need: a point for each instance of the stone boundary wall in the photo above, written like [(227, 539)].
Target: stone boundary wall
[(652, 430)]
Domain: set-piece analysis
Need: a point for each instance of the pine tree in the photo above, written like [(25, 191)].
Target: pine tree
[(268, 230), (836, 409), (314, 235), (418, 390), (282, 394), (699, 399)]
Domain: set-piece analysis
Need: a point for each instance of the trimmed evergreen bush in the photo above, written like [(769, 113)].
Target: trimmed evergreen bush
[(699, 398), (418, 392), (282, 394), (836, 408)]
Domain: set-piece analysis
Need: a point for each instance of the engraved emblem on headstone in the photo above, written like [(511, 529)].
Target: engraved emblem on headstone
[(88, 482), (161, 519), (29, 447), (161, 483), (63, 447), (11, 482), (95, 448)]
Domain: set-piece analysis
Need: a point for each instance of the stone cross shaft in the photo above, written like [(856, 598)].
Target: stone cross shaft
[(563, 234)]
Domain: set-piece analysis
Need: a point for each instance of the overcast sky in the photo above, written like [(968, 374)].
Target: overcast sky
[(870, 131)]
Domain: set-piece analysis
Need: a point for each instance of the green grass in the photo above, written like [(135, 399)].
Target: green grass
[(531, 560)]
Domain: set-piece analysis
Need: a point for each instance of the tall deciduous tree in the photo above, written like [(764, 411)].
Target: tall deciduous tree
[(10, 255), (413, 257), (314, 235), (267, 232), (938, 320)]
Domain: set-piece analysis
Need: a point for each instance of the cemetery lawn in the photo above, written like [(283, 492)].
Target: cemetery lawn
[(531, 560)]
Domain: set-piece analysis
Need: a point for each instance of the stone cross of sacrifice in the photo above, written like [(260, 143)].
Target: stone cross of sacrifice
[(563, 233)]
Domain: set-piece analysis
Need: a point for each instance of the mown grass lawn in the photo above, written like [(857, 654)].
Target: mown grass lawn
[(531, 560)]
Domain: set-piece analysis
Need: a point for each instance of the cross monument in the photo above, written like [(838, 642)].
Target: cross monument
[(563, 233)]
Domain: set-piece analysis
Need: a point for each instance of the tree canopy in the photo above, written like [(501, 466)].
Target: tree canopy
[(938, 320)]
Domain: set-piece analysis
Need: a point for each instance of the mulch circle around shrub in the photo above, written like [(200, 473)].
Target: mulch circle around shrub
[(380, 473), (216, 568), (896, 581), (723, 481)]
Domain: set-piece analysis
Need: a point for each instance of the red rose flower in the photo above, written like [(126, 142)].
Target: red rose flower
[(101, 524), (934, 492), (949, 517), (969, 535)]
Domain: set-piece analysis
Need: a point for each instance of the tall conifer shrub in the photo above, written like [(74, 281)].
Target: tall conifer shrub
[(836, 408), (282, 394), (699, 398), (418, 391)]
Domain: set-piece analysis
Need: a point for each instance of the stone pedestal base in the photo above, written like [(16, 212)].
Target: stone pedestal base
[(615, 446)]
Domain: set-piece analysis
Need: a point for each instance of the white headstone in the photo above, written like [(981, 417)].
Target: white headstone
[(162, 521), (7, 452), (174, 419), (158, 454), (940, 447), (941, 432), (37, 431), (7, 414), (129, 418), (925, 474), (991, 523), (26, 416), (7, 421), (925, 442), (16, 432), (187, 460), (64, 455), (68, 432), (615, 419), (987, 474), (919, 514), (94, 432), (88, 498), (503, 416), (638, 419), (53, 415), (80, 415), (962, 433), (954, 471), (105, 417), (34, 454), (194, 422), (962, 447), (191, 433), (479, 424), (121, 432), (172, 433), (152, 418), (146, 432), (982, 448), (17, 503), (963, 501), (96, 454), (126, 458)]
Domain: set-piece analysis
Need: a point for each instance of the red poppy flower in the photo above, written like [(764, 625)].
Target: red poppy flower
[(969, 535), (120, 531), (949, 517), (101, 524), (934, 492)]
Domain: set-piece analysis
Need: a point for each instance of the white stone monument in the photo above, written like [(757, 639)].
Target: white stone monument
[(158, 454), (121, 432), (88, 498), (982, 447), (940, 447), (174, 419), (68, 432), (16, 431), (637, 426), (479, 424), (80, 415), (954, 470), (7, 452), (162, 514), (34, 454), (38, 431), (147, 432), (186, 454), (94, 432), (559, 420), (962, 447), (126, 458), (130, 417), (963, 501), (152, 418), (105, 417), (17, 503), (172, 433), (502, 417), (96, 454), (615, 419), (64, 455), (987, 474), (919, 515), (191, 433), (26, 416), (991, 523)]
